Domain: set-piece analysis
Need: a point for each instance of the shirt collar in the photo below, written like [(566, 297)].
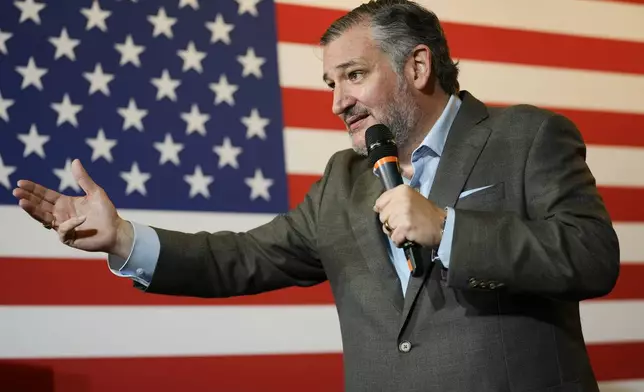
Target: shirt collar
[(436, 137)]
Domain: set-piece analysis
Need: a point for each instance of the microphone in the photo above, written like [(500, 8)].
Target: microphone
[(383, 156)]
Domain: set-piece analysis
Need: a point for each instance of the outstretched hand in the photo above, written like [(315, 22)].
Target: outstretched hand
[(88, 222)]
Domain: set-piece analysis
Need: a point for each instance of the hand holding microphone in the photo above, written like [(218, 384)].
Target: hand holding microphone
[(411, 220)]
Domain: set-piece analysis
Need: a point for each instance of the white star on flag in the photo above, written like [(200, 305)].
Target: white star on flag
[(249, 6), (259, 185), (191, 58), (31, 75), (227, 154), (4, 37), (29, 10), (224, 91), (67, 111), (64, 45), (96, 17), (220, 30), (98, 80), (169, 150), (129, 51), (199, 183), (101, 146), (162, 23), (34, 143), (4, 105), (135, 180), (195, 120), (251, 63), (255, 125), (66, 177), (166, 86), (5, 172), (192, 3), (132, 116)]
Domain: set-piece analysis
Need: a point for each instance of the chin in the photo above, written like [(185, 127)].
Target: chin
[(359, 145)]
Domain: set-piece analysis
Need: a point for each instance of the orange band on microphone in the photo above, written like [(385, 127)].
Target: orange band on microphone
[(384, 160)]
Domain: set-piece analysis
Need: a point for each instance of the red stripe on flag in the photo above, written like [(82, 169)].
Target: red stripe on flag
[(629, 283), (319, 372), (89, 282), (627, 1), (298, 186), (617, 361), (623, 204), (52, 283), (614, 129), (305, 25), (607, 128), (309, 109)]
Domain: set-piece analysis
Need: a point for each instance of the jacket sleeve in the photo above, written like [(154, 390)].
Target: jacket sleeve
[(566, 248), (278, 254)]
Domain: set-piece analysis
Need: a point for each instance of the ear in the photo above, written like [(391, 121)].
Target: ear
[(420, 66)]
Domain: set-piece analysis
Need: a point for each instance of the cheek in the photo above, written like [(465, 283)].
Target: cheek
[(373, 98)]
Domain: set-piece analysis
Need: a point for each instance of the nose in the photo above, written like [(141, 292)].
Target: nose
[(341, 101)]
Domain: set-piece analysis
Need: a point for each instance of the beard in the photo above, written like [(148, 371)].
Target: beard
[(400, 115)]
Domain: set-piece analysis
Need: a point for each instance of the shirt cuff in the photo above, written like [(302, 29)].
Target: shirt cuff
[(143, 257), (445, 247)]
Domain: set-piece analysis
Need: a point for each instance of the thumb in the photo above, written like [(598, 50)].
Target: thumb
[(82, 178)]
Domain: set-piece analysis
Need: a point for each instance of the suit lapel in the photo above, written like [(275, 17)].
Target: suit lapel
[(462, 148), (370, 238)]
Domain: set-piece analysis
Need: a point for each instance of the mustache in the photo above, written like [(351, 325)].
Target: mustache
[(354, 111)]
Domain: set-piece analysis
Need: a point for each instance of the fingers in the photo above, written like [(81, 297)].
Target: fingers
[(27, 187), (66, 230), (83, 179), (37, 211), (30, 199), (384, 200)]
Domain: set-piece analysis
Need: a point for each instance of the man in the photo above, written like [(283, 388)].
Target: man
[(501, 201)]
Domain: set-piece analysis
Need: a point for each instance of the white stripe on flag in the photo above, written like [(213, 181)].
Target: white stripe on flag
[(104, 331), (622, 386), (618, 20), (18, 238), (301, 67), (124, 331), (308, 150)]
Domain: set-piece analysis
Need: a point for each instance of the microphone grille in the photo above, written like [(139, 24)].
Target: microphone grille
[(380, 143)]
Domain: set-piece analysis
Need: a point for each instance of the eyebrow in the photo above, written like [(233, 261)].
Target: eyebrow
[(344, 65)]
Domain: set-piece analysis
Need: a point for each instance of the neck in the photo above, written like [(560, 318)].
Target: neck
[(430, 111)]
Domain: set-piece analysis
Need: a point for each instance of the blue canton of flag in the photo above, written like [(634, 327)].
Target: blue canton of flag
[(171, 105)]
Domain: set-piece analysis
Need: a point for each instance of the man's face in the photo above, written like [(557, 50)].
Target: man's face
[(366, 89)]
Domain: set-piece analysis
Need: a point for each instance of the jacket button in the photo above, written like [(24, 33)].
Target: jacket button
[(473, 283), (404, 346)]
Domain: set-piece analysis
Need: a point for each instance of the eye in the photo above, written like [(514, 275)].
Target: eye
[(355, 75), (331, 85)]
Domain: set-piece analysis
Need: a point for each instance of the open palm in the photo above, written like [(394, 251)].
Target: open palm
[(87, 222)]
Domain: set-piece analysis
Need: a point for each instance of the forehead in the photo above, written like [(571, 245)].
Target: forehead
[(354, 45)]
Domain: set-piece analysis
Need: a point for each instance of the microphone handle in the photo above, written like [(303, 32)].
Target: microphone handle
[(414, 258), (390, 177)]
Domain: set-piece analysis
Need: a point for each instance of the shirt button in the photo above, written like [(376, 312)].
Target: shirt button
[(404, 346), (139, 271)]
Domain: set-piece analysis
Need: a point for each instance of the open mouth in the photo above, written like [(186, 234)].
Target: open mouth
[(357, 121)]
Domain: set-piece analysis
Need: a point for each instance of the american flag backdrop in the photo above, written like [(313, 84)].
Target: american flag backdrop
[(212, 115)]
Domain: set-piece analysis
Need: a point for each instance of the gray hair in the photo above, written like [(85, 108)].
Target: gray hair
[(398, 26)]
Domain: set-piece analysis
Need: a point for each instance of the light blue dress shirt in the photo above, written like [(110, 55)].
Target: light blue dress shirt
[(425, 159), (143, 257)]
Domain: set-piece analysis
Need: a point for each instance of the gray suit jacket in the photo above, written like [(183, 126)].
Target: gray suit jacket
[(504, 317)]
